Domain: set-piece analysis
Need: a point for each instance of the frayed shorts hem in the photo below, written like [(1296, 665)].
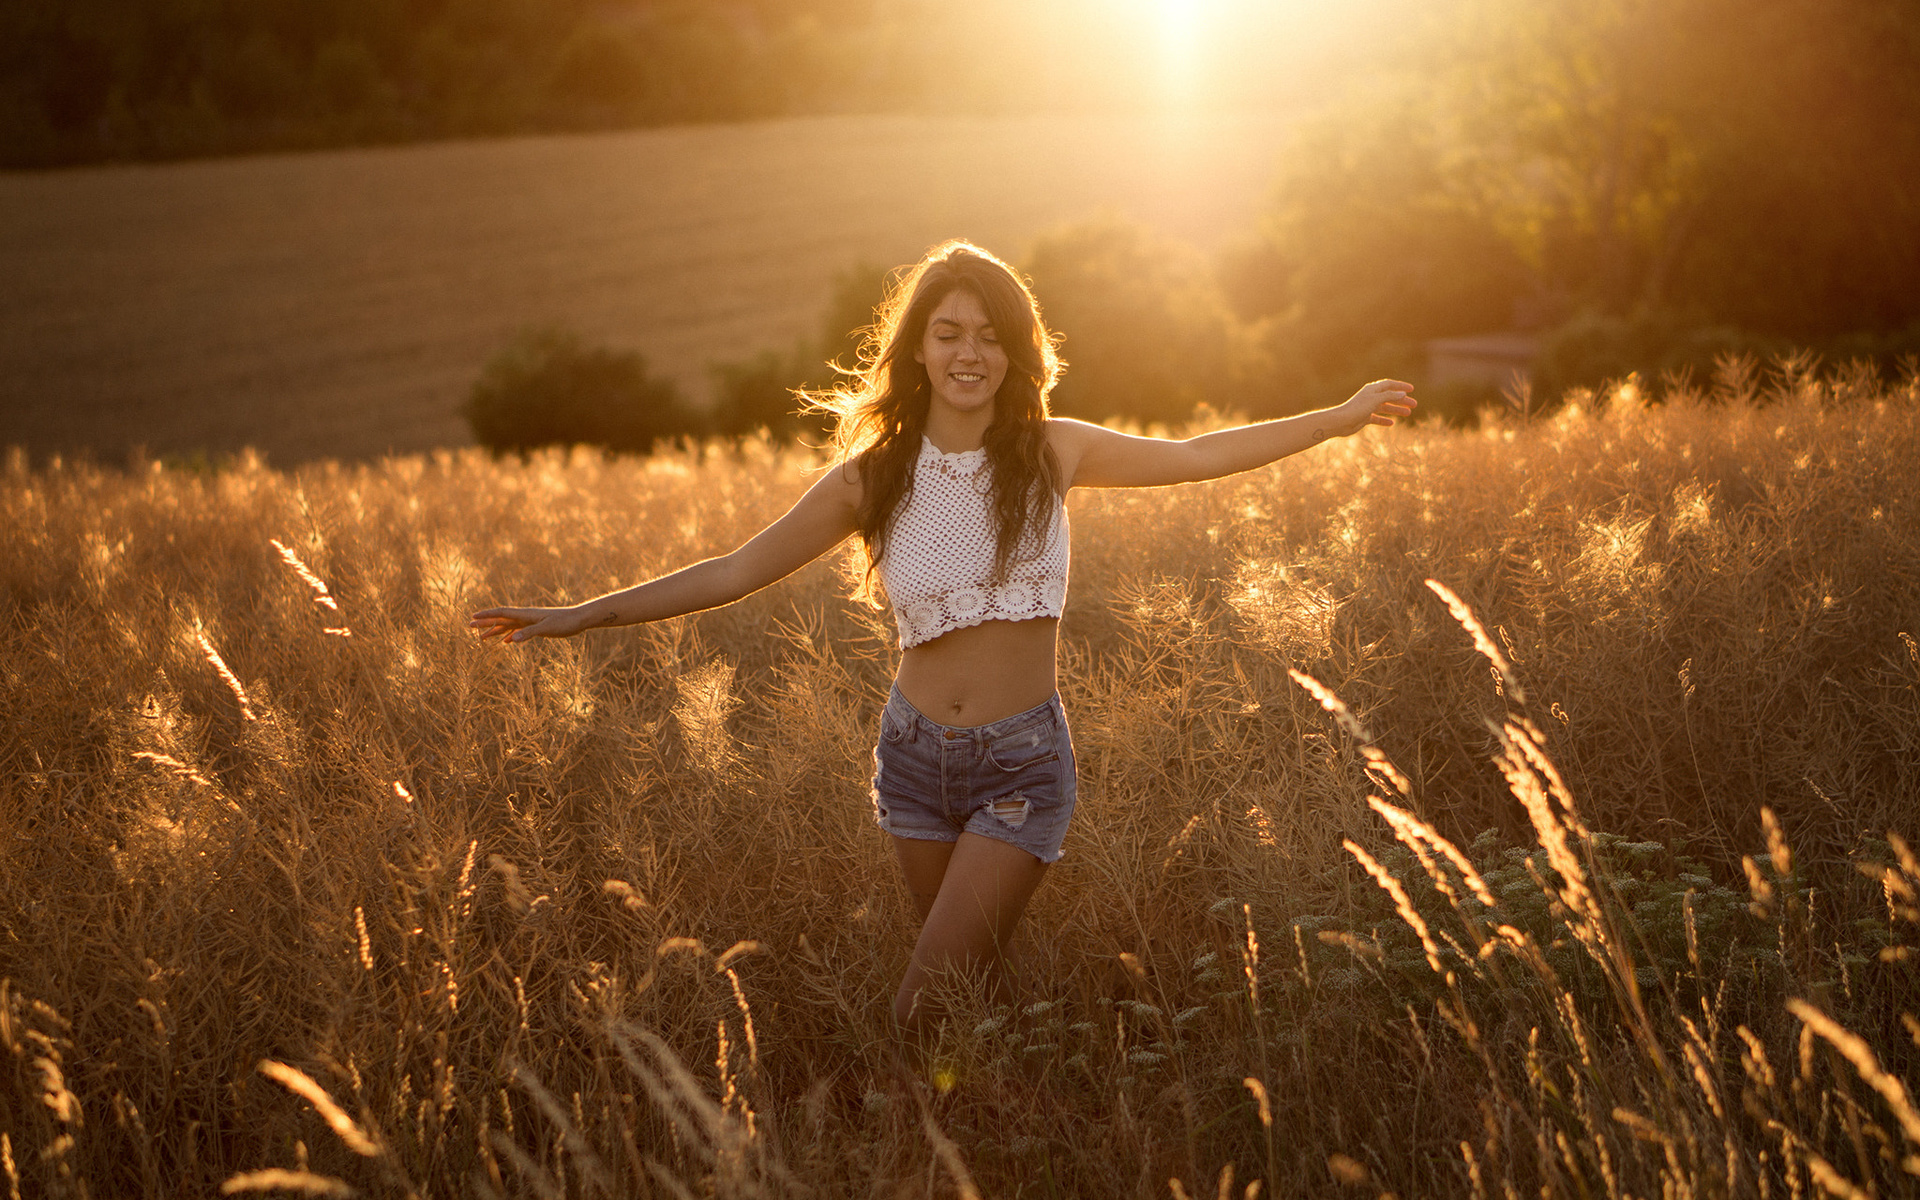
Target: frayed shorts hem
[(950, 837)]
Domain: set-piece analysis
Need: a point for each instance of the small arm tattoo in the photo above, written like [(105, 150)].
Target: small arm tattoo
[(1321, 435)]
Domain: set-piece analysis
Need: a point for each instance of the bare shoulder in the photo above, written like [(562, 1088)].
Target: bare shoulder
[(1069, 440), (840, 486), (1065, 433), (845, 474)]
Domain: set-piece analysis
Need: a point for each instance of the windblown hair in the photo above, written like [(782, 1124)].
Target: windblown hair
[(882, 408)]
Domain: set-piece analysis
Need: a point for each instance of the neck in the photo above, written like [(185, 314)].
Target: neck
[(954, 433)]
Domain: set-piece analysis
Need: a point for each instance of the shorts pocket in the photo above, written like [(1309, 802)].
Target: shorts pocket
[(892, 729), (1037, 743)]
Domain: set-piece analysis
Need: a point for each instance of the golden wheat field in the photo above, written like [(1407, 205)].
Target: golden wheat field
[(342, 303), (1579, 873)]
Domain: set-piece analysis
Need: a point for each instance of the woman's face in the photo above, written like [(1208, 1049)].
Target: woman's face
[(964, 359)]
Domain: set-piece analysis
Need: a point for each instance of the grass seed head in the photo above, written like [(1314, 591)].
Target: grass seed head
[(274, 1179), (301, 1084), (220, 668), (321, 596), (1481, 641)]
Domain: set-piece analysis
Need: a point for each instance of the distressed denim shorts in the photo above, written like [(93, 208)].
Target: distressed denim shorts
[(1011, 780)]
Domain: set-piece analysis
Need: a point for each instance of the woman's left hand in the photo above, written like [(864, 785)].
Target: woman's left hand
[(1381, 402)]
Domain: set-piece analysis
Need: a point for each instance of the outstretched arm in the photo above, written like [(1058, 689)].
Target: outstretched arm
[(820, 521), (1093, 456)]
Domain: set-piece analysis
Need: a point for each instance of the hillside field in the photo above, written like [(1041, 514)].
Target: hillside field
[(340, 304), (1592, 886)]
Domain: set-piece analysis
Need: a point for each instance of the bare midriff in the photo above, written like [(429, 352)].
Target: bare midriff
[(980, 674)]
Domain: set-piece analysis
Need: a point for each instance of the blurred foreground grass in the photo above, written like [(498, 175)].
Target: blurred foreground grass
[(304, 889)]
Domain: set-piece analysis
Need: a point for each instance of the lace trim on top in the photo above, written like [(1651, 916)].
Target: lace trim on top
[(937, 563)]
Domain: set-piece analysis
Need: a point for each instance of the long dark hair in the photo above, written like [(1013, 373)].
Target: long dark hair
[(882, 409)]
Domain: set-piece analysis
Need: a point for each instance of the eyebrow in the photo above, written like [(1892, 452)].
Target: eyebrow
[(958, 325)]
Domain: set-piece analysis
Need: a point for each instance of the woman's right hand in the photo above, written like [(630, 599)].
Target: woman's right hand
[(524, 624)]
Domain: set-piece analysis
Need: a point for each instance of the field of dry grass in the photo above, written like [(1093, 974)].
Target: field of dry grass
[(307, 882), (341, 304)]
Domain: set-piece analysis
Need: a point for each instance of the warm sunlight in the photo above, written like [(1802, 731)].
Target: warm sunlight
[(1196, 53), (1180, 28), (791, 599)]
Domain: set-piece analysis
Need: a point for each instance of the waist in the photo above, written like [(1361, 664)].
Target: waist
[(981, 674), (903, 714)]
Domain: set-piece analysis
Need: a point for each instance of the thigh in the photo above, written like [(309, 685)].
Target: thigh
[(982, 895), (924, 865)]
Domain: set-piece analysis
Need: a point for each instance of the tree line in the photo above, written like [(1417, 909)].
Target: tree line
[(93, 80), (1676, 188), (1649, 185)]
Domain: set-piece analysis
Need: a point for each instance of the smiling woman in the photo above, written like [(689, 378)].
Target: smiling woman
[(954, 477)]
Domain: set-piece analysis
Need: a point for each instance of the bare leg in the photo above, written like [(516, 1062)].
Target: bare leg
[(924, 864), (978, 900)]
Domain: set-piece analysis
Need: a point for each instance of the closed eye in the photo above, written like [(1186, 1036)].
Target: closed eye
[(946, 331)]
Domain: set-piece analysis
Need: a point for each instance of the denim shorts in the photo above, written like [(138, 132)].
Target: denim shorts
[(1011, 780)]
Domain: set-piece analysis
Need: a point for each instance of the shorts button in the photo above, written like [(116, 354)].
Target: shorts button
[(951, 735)]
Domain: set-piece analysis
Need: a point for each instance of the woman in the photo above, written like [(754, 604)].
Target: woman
[(954, 476)]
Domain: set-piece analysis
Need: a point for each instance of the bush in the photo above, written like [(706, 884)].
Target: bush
[(548, 387), (1593, 348), (1369, 241), (1146, 330), (761, 392)]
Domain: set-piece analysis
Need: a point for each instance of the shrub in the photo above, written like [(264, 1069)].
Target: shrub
[(761, 392), (548, 387), (1146, 331), (1593, 348)]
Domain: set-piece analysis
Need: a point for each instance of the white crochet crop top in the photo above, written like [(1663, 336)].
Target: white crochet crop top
[(937, 558)]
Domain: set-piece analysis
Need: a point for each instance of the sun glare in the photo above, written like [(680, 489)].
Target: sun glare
[(1179, 22), (1178, 31), (1188, 51)]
